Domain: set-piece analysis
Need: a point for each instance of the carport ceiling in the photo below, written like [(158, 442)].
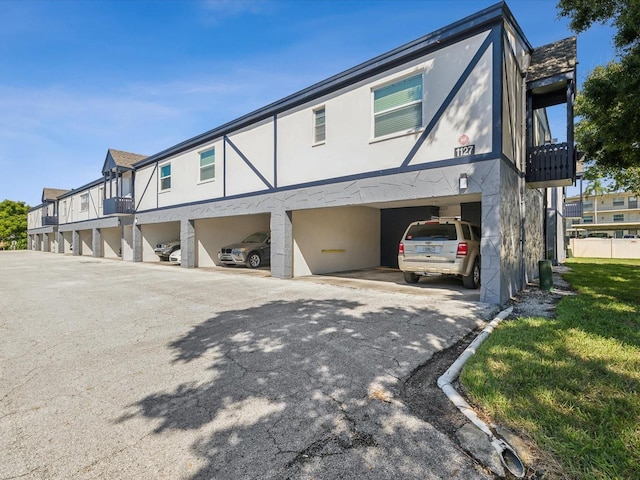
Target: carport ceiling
[(452, 200)]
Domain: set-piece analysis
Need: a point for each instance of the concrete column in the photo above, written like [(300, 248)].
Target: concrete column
[(96, 242), (282, 244), (501, 247), (45, 243), (60, 241), (29, 242), (137, 243), (37, 242), (187, 243), (490, 245), (75, 243)]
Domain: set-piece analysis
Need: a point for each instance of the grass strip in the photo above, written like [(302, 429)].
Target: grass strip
[(571, 383)]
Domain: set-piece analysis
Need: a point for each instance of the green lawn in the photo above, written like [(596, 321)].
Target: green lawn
[(571, 384)]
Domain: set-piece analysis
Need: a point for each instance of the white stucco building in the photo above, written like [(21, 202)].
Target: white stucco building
[(451, 124)]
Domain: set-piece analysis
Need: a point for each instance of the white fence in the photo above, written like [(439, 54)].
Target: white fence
[(605, 247)]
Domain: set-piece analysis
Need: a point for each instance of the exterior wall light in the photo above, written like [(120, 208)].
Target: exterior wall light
[(463, 182)]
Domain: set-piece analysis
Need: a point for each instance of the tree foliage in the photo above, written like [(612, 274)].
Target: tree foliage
[(608, 130), (13, 223)]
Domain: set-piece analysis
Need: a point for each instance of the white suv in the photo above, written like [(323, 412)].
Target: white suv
[(446, 246)]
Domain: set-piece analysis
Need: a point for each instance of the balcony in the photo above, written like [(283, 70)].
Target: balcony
[(118, 206), (550, 166), (49, 220)]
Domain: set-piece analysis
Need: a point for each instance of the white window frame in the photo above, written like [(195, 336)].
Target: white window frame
[(587, 219), (316, 125), (620, 217), (161, 178), (84, 202), (100, 197), (618, 201), (213, 163), (374, 115)]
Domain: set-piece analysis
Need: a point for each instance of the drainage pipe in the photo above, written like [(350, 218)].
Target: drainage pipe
[(507, 454)]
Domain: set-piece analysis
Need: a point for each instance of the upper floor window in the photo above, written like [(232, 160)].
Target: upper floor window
[(618, 217), (587, 205), (319, 132), (587, 218), (208, 165), (618, 201), (100, 196), (84, 202), (398, 107), (633, 202), (165, 177)]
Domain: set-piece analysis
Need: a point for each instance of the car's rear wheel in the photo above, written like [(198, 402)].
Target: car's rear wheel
[(473, 279), (410, 277), (254, 260)]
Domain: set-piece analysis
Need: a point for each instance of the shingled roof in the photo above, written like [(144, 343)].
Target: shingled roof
[(557, 58), (50, 194), (125, 159)]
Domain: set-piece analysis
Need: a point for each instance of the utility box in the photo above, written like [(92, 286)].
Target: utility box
[(546, 274)]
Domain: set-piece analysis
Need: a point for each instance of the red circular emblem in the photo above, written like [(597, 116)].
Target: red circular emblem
[(463, 140)]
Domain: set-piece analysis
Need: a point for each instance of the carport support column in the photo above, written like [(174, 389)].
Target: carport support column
[(37, 242), (75, 242), (187, 243), (500, 246), (45, 242), (137, 242), (96, 242), (282, 244), (60, 242)]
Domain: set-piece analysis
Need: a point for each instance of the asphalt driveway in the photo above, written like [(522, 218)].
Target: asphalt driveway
[(111, 369)]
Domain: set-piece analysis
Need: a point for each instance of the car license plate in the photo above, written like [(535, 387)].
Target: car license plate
[(426, 249)]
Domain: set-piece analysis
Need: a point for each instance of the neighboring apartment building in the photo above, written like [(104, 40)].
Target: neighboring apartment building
[(451, 124), (613, 215)]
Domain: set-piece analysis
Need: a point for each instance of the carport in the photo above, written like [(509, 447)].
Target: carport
[(67, 241), (213, 233), (51, 242), (86, 241), (110, 242), (342, 239), (335, 239), (155, 233)]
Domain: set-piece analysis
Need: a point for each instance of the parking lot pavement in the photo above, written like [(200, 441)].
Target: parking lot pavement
[(117, 370)]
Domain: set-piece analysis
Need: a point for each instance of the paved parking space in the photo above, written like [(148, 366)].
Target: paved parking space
[(391, 280), (117, 370)]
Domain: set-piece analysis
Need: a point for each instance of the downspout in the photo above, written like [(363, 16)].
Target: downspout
[(545, 206), (507, 454), (523, 172)]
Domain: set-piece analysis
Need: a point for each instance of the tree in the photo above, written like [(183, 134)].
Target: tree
[(13, 223), (608, 106), (597, 190)]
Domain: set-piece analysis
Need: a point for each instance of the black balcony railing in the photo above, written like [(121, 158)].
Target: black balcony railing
[(550, 166), (49, 220), (117, 206), (573, 210)]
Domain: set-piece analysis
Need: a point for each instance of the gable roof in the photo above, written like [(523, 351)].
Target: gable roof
[(118, 158), (554, 59), (50, 194)]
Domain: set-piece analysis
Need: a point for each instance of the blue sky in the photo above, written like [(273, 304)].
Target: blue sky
[(80, 77)]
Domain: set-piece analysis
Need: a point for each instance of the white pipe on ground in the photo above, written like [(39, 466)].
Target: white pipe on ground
[(508, 456)]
